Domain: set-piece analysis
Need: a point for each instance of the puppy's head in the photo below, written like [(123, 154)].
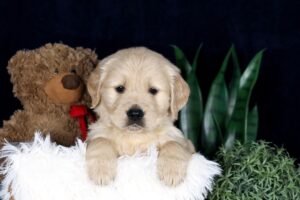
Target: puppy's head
[(137, 89)]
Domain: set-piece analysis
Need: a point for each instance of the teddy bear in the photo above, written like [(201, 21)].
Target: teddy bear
[(48, 81)]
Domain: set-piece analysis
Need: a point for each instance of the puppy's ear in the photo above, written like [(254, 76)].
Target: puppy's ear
[(180, 92), (94, 85)]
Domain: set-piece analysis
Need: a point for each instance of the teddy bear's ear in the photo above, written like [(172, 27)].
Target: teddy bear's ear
[(94, 85), (17, 66), (89, 53)]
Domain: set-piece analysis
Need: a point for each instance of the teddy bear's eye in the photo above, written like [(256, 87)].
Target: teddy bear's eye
[(73, 71), (56, 71)]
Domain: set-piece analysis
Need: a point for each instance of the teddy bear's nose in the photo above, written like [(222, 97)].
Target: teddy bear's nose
[(71, 81)]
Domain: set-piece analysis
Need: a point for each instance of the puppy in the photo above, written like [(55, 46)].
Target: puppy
[(137, 94)]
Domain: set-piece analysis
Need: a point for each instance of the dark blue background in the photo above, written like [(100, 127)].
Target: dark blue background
[(110, 25)]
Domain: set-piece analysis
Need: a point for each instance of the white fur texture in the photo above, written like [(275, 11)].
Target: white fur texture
[(42, 170)]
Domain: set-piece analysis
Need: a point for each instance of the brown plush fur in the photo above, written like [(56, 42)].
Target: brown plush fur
[(37, 82)]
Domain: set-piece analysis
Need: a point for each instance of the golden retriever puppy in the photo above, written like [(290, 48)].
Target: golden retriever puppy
[(137, 94)]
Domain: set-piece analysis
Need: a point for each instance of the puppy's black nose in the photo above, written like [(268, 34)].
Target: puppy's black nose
[(135, 114)]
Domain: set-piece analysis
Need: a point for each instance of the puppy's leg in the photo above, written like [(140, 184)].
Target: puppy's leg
[(101, 160), (172, 163)]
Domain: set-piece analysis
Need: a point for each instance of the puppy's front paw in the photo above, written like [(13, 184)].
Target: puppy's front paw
[(102, 171), (171, 171), (101, 161)]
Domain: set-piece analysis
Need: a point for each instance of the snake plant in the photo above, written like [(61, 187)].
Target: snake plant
[(226, 116), (190, 115)]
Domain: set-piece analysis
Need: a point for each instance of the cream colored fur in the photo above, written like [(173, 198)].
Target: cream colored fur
[(137, 70)]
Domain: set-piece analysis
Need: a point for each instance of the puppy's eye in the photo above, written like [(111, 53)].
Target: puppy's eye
[(120, 89), (153, 91)]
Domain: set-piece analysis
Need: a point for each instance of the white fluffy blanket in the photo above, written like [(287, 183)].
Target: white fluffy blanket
[(42, 170)]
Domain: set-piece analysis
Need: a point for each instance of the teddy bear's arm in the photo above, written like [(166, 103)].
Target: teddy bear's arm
[(63, 138), (23, 125), (62, 129), (16, 129)]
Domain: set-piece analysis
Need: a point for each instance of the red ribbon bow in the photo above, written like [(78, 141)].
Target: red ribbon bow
[(82, 113)]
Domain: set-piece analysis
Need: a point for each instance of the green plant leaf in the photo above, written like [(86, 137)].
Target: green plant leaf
[(215, 108), (237, 125), (181, 61), (191, 115), (219, 130), (196, 57), (230, 139), (234, 84), (252, 124)]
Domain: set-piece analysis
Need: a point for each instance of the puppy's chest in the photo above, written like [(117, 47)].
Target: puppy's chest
[(130, 144)]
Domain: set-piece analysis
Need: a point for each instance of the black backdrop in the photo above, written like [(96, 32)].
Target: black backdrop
[(110, 25)]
